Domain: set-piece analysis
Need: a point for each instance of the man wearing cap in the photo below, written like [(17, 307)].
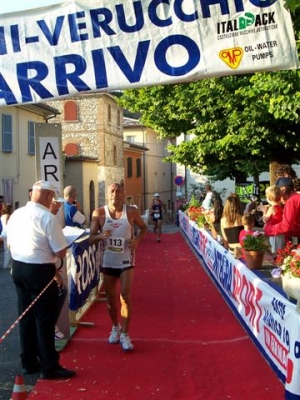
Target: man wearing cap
[(36, 240), (290, 224)]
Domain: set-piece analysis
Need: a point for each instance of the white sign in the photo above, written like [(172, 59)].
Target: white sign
[(103, 45), (50, 160)]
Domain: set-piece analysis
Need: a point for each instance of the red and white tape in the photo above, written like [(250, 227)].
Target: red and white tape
[(24, 312)]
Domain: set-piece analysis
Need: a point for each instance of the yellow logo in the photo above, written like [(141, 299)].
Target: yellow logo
[(232, 57)]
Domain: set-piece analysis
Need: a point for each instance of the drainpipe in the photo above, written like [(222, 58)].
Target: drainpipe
[(144, 170)]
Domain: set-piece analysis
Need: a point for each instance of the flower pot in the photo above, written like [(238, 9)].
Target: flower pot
[(254, 259), (291, 286)]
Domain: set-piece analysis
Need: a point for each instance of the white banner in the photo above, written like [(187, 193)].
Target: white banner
[(267, 315), (103, 45)]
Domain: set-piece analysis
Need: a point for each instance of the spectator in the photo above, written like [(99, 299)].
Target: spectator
[(273, 215), (207, 202), (54, 209), (231, 217), (36, 239), (179, 205), (215, 215), (290, 224), (114, 224), (251, 205), (74, 215), (5, 215), (248, 221), (286, 171)]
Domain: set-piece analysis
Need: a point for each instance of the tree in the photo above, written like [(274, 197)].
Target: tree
[(237, 125), (292, 4)]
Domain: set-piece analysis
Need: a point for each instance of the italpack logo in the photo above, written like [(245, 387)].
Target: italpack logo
[(232, 57), (245, 21)]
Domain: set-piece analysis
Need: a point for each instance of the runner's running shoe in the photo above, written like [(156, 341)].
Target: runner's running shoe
[(115, 333), (125, 342)]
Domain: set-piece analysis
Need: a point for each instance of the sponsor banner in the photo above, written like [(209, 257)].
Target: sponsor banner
[(247, 189), (84, 271), (100, 45), (263, 309)]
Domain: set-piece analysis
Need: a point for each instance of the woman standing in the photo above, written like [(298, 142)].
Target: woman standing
[(215, 216), (231, 218)]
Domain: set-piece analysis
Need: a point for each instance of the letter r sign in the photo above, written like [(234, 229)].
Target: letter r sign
[(49, 154)]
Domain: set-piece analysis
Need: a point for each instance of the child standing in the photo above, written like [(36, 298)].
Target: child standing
[(248, 221), (273, 215)]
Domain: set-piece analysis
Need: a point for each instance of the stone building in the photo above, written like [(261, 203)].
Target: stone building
[(92, 140)]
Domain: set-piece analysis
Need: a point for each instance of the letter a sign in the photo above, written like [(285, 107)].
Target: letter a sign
[(48, 154)]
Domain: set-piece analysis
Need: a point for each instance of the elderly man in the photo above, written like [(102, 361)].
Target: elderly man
[(74, 215), (290, 224), (36, 240)]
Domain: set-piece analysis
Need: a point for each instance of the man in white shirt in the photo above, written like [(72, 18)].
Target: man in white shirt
[(36, 240)]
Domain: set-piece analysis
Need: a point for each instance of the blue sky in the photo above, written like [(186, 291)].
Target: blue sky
[(19, 5)]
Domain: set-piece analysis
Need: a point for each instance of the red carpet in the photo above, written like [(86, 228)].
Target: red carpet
[(188, 344)]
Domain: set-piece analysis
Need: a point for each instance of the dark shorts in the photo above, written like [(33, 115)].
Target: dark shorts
[(116, 272)]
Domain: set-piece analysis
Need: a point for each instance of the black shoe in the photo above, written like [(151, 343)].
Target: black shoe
[(31, 370), (57, 373)]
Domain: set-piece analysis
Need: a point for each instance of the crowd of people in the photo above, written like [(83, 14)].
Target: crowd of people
[(36, 245), (281, 216), (34, 242)]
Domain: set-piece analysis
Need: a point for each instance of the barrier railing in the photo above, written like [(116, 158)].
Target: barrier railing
[(266, 313)]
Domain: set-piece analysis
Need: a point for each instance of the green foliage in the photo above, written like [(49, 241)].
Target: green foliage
[(292, 5), (234, 126), (194, 202)]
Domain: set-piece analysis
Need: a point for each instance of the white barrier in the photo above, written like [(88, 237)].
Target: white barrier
[(263, 309)]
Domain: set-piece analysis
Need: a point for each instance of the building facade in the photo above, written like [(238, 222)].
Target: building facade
[(158, 175), (134, 175), (18, 170), (92, 136)]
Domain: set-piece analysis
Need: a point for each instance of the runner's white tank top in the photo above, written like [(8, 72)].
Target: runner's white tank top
[(116, 252)]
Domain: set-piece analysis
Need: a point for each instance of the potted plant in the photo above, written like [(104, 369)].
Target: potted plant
[(288, 262), (197, 213), (255, 245)]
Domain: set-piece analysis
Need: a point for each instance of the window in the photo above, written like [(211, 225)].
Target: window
[(129, 167), (6, 133), (31, 138), (109, 113), (70, 110), (130, 139), (138, 168), (115, 155)]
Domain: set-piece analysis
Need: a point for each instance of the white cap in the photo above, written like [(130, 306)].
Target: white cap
[(156, 195), (45, 185), (59, 200)]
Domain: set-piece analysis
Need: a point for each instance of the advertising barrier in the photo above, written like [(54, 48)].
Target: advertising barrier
[(83, 263), (265, 312)]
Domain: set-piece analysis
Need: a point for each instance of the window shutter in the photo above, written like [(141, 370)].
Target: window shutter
[(31, 138), (6, 133)]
